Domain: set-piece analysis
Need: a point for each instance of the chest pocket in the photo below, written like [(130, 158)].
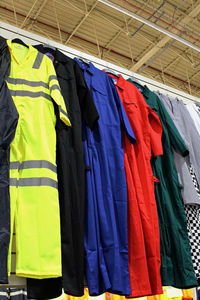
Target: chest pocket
[(138, 119), (153, 105), (63, 74), (106, 105), (63, 70), (99, 92), (131, 107)]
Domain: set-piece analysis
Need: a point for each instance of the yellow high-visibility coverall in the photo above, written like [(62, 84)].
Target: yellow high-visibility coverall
[(33, 178)]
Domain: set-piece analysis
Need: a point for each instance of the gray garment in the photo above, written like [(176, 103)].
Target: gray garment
[(195, 114), (191, 137)]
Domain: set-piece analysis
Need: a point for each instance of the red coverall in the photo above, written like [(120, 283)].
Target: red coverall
[(143, 226)]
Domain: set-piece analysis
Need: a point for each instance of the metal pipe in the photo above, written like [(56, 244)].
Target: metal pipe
[(150, 24), (157, 56), (149, 18), (165, 22)]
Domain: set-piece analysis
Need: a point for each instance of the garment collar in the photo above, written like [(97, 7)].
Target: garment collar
[(11, 47), (143, 89), (58, 55), (90, 68), (121, 82), (146, 91)]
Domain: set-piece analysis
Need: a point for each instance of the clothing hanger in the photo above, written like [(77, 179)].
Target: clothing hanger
[(49, 46), (197, 104), (84, 60), (18, 41), (109, 71), (135, 80), (139, 86)]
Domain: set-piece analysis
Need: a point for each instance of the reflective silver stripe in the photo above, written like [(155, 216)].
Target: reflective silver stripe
[(31, 164), (62, 111), (54, 87), (14, 165), (38, 181), (27, 82), (52, 77), (38, 60), (30, 94), (12, 294), (13, 181), (38, 164), (4, 294), (34, 181)]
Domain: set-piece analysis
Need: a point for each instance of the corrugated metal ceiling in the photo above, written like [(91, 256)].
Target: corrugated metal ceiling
[(103, 32)]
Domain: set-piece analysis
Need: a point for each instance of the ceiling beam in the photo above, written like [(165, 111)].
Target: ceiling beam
[(81, 22), (182, 55), (194, 75), (67, 3), (159, 45), (108, 45), (37, 14), (28, 14), (117, 34), (154, 26), (14, 10)]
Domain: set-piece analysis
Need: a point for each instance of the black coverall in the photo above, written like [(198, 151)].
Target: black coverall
[(71, 179)]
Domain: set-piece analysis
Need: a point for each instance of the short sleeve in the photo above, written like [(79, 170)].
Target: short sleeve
[(155, 132), (88, 108), (123, 116), (174, 135), (55, 92)]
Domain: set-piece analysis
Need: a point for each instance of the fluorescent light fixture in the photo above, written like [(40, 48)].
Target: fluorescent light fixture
[(150, 24)]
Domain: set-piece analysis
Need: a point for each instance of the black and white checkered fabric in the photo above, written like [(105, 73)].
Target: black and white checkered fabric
[(193, 226), (194, 179)]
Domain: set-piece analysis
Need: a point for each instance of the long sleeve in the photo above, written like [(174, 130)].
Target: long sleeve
[(155, 132), (174, 135), (89, 110), (123, 117)]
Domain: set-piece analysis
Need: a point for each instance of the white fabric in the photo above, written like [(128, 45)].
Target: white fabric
[(173, 292)]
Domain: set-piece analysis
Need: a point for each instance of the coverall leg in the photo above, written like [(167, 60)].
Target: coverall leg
[(8, 122)]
